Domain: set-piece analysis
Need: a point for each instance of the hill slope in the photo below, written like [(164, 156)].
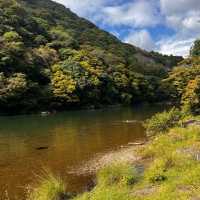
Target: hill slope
[(50, 58)]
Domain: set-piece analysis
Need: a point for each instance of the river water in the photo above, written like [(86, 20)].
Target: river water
[(63, 142)]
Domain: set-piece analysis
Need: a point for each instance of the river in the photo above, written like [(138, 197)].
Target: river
[(63, 142)]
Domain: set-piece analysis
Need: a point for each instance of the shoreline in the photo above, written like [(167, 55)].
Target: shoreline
[(126, 154), (50, 112), (164, 162)]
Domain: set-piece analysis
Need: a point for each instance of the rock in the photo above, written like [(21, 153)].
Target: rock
[(195, 153), (42, 148), (123, 155), (44, 114), (184, 188), (191, 122), (136, 143), (139, 168), (64, 196), (145, 191)]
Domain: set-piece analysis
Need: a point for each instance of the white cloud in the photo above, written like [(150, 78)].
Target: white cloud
[(136, 13), (192, 22), (141, 39), (178, 7), (183, 16), (141, 13), (84, 8), (175, 46)]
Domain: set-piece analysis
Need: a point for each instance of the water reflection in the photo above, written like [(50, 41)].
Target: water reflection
[(72, 138)]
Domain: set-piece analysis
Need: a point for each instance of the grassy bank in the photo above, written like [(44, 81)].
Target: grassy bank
[(172, 171), (169, 167)]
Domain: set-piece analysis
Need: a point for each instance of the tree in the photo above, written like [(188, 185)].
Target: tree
[(12, 36), (12, 87), (45, 56), (12, 47), (178, 79), (191, 97), (195, 50), (63, 85), (40, 40)]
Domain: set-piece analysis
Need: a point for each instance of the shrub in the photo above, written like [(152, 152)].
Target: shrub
[(162, 122), (157, 172)]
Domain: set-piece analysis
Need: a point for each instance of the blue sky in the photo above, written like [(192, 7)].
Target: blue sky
[(167, 26)]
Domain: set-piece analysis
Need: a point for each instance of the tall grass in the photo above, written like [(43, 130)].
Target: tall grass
[(49, 187), (113, 183), (117, 173), (162, 122)]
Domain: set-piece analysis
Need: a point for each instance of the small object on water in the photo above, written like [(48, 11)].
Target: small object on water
[(136, 143), (44, 114), (130, 121), (42, 148)]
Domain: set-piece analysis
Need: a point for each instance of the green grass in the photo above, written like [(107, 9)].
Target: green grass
[(118, 173), (113, 183), (172, 173), (49, 187)]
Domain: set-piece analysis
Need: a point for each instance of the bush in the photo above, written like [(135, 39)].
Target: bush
[(162, 122)]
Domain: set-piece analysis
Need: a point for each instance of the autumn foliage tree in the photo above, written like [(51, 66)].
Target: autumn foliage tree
[(191, 96)]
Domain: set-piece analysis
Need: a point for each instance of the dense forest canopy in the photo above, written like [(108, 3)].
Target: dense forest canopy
[(52, 59)]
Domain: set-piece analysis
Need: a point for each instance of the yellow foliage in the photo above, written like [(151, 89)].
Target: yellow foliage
[(191, 96), (48, 55), (62, 83)]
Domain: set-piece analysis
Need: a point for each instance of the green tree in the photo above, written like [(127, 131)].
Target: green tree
[(175, 84), (195, 50), (12, 87), (12, 36)]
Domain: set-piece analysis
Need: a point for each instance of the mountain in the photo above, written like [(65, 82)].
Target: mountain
[(52, 59)]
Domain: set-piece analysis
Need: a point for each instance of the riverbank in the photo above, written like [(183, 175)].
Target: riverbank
[(124, 154), (171, 171), (53, 111), (165, 168)]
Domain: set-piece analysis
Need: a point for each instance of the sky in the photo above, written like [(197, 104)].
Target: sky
[(166, 26)]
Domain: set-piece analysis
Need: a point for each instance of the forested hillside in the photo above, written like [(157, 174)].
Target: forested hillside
[(183, 83), (52, 59)]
